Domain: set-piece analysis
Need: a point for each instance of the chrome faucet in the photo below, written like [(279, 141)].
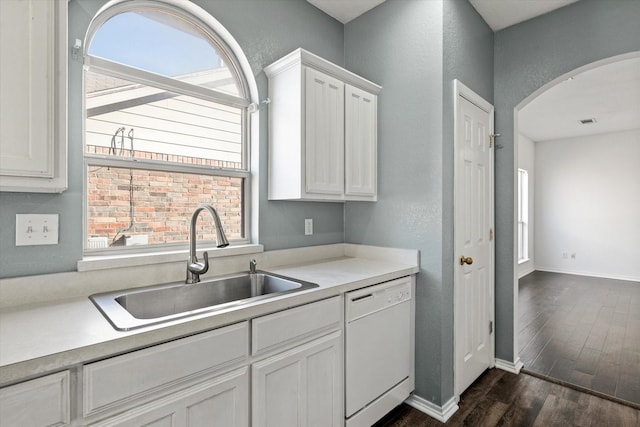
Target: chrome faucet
[(195, 268), (252, 266)]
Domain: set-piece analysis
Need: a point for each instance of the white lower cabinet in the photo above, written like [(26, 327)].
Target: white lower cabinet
[(299, 381), (41, 402), (221, 401), (300, 387), (279, 370)]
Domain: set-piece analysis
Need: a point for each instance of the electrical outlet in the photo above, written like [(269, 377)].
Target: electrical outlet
[(32, 229), (565, 255), (308, 227), (573, 255)]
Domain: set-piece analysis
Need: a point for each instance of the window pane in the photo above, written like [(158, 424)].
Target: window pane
[(134, 120), (165, 44), (140, 207)]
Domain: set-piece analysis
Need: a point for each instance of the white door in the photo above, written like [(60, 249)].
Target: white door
[(324, 133), (473, 237)]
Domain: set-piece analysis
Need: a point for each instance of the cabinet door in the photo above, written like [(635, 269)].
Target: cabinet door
[(360, 144), (33, 119), (41, 402), (220, 402), (324, 134), (302, 387)]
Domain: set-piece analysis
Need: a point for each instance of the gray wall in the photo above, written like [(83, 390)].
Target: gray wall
[(414, 49), (528, 56), (266, 31)]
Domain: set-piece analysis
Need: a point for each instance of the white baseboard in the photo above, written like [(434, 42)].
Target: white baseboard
[(523, 273), (440, 413), (588, 274), (513, 367)]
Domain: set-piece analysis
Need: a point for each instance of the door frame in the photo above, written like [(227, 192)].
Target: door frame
[(460, 90)]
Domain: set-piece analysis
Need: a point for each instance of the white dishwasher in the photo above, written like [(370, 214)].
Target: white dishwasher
[(379, 346)]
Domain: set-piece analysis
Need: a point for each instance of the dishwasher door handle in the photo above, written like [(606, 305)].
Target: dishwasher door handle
[(363, 297)]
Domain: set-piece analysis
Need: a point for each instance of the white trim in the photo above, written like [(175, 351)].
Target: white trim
[(91, 263), (460, 90), (440, 413), (513, 367), (530, 269), (588, 274), (307, 58)]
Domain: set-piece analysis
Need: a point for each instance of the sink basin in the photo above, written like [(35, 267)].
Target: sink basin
[(134, 308)]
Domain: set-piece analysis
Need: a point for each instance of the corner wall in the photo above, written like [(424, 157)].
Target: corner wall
[(399, 46), (415, 49)]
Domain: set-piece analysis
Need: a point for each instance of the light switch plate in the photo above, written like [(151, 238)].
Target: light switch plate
[(36, 229), (308, 226)]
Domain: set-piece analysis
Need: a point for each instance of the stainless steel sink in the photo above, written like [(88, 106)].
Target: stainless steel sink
[(135, 308)]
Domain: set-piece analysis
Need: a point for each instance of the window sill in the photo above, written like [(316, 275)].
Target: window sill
[(105, 262), (522, 261)]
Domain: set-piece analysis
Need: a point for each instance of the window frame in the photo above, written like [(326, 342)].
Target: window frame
[(135, 75), (523, 215)]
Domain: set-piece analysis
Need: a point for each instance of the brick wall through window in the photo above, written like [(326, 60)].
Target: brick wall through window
[(161, 203)]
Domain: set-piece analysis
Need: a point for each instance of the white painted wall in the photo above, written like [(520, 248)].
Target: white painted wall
[(526, 161), (587, 203)]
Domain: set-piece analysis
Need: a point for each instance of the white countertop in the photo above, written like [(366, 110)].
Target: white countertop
[(40, 338)]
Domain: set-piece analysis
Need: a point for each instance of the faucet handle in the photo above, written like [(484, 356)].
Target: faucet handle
[(252, 266), (200, 267)]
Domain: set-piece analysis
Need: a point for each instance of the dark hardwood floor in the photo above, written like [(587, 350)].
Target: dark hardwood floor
[(582, 331), (499, 398)]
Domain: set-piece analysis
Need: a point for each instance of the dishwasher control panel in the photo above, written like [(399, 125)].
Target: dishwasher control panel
[(369, 300)]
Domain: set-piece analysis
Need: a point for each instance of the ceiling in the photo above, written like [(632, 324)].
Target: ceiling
[(501, 14), (610, 94), (498, 14), (345, 10)]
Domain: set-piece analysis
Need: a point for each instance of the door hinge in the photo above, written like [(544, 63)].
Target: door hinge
[(490, 327), (492, 137), (490, 234)]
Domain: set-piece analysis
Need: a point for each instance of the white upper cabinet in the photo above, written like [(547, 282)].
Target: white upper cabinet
[(33, 95), (322, 131)]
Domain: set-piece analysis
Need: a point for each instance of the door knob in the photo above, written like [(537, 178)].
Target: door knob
[(466, 260)]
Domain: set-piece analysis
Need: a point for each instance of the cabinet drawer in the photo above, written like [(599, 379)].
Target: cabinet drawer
[(296, 323), (139, 373), (40, 402), (219, 401)]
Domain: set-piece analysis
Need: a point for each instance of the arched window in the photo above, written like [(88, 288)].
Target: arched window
[(166, 128)]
